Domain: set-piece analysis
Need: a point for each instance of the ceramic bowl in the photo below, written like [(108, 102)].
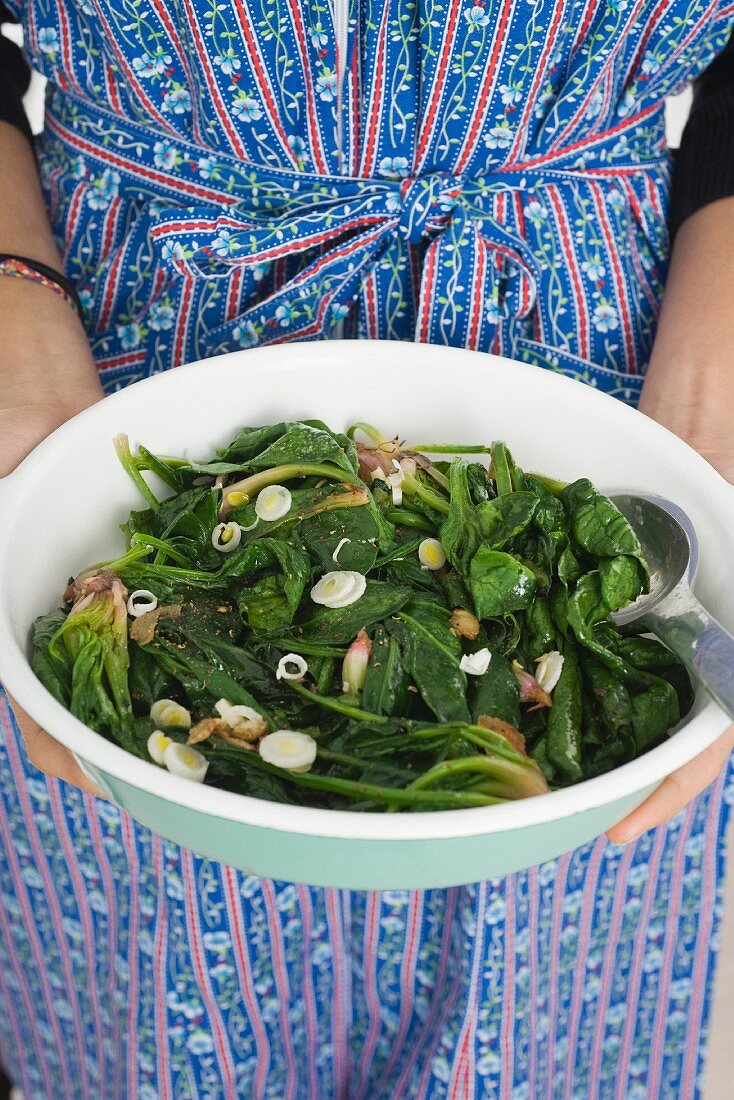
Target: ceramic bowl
[(61, 509)]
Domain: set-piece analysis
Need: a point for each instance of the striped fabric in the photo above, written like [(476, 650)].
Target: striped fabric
[(483, 173)]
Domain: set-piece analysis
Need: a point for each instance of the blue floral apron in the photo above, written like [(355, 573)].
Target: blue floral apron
[(232, 173)]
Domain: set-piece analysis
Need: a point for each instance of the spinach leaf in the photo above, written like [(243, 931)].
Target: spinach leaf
[(505, 517), (53, 669), (340, 625), (461, 534), (250, 442), (563, 726), (499, 583), (431, 655), (270, 601), (386, 683), (598, 527), (322, 533), (497, 693), (305, 443)]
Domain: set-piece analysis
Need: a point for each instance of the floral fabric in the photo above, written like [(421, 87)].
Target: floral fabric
[(229, 174)]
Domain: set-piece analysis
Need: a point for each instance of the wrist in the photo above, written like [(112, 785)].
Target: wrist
[(44, 353)]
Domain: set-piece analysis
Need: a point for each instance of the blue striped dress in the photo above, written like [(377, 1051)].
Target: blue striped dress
[(488, 174)]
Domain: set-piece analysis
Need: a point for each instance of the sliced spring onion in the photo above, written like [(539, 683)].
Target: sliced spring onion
[(335, 555), (431, 554), (288, 749), (157, 745), (283, 672), (237, 498), (273, 502), (141, 601), (167, 712), (226, 537), (184, 761), (548, 669), (339, 588), (250, 526), (476, 664)]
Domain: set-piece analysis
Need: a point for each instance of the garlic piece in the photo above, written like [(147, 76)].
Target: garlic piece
[(476, 664), (548, 670), (226, 537)]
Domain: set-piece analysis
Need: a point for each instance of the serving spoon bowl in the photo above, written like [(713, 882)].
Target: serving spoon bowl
[(670, 610)]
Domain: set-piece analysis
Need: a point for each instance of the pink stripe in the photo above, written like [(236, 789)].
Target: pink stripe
[(507, 1027), (657, 1044), (183, 59), (591, 880), (207, 70), (112, 932), (371, 992), (54, 912), (462, 1082), (559, 889), (111, 39), (246, 24), (476, 299), (431, 114), (20, 1036), (22, 985), (703, 939), (85, 917), (247, 986), (282, 984), (316, 142), (182, 322), (612, 940), (579, 298), (308, 993), (621, 39), (482, 105), (128, 839), (339, 1012), (135, 168), (407, 987), (524, 124), (197, 951), (418, 1053), (443, 1006), (620, 284), (163, 1078), (533, 908), (373, 110)]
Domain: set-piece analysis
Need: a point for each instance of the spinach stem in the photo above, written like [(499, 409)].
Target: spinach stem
[(122, 449), (139, 539), (337, 705)]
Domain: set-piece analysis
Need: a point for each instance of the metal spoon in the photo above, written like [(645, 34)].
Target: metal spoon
[(670, 610)]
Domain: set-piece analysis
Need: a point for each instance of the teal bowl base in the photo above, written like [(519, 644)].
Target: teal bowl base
[(362, 864)]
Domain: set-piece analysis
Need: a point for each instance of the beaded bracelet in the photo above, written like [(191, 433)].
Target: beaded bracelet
[(20, 267)]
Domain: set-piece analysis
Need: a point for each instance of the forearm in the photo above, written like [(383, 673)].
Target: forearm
[(44, 353), (690, 381)]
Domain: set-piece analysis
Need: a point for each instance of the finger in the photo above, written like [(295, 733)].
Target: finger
[(675, 792), (49, 756)]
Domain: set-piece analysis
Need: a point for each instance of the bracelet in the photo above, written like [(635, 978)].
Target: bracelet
[(20, 267)]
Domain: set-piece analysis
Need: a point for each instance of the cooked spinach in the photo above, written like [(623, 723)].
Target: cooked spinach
[(399, 720)]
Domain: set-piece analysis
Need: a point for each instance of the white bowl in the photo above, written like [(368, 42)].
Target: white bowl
[(61, 509)]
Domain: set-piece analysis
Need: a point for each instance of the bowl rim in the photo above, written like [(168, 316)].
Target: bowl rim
[(638, 775)]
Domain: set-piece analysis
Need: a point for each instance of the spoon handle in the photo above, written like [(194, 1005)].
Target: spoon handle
[(702, 643)]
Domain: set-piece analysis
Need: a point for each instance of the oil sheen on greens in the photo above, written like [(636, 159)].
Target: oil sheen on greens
[(533, 567)]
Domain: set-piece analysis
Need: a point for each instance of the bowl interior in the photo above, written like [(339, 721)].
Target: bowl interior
[(63, 506)]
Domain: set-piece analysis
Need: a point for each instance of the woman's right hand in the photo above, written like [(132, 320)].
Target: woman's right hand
[(45, 379)]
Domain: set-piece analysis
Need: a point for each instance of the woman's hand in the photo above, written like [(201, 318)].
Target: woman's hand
[(45, 379), (689, 388)]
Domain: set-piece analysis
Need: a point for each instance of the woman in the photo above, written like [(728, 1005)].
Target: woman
[(488, 175)]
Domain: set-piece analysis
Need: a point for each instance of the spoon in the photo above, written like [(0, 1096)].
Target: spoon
[(670, 610)]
